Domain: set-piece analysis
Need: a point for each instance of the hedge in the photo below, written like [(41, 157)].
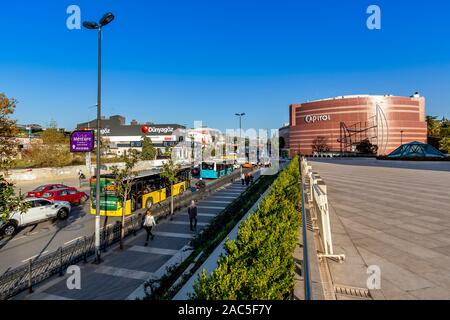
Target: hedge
[(205, 242), (259, 264)]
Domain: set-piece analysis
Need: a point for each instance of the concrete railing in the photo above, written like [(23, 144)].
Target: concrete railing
[(320, 216)]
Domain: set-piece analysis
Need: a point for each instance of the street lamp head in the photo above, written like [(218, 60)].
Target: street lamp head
[(90, 25), (107, 18), (240, 114)]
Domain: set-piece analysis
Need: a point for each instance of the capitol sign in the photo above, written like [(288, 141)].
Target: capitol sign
[(316, 118)]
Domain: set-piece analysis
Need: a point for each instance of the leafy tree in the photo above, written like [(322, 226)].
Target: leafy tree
[(434, 131), (169, 172), (148, 151), (167, 151), (320, 144), (444, 145), (123, 181), (8, 131), (9, 201), (366, 147), (54, 143), (434, 126)]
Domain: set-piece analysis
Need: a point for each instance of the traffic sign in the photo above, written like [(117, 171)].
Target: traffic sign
[(82, 141)]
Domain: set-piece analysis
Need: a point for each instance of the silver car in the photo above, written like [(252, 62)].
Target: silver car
[(39, 210)]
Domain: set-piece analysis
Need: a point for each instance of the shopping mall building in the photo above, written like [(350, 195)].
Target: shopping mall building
[(342, 122)]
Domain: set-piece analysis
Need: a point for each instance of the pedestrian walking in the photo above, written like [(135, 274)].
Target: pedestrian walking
[(192, 212), (149, 222), (81, 177), (247, 179), (251, 178), (242, 178)]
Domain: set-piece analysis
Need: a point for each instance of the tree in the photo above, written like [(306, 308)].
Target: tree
[(9, 201), (148, 151), (320, 144), (434, 131), (123, 181), (444, 145), (366, 147), (167, 151), (169, 172), (54, 142), (434, 126), (8, 131)]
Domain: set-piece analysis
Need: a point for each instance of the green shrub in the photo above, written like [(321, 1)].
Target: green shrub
[(259, 264)]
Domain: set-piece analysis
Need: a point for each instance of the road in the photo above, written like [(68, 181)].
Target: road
[(394, 215), (38, 240)]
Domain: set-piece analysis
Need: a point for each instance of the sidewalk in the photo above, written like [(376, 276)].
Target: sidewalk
[(122, 273), (395, 218)]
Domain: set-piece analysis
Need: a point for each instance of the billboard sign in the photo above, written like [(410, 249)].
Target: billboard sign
[(82, 141)]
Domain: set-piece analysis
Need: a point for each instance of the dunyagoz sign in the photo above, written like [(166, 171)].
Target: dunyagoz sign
[(316, 118), (82, 141)]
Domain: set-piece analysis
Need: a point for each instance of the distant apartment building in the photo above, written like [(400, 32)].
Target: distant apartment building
[(342, 122)]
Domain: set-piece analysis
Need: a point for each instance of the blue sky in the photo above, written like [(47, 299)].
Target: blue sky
[(177, 61)]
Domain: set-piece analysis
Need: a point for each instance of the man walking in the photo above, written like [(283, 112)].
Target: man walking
[(247, 179), (149, 222), (242, 178), (192, 212)]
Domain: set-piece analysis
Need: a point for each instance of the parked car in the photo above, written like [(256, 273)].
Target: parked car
[(71, 195), (39, 210), (39, 191)]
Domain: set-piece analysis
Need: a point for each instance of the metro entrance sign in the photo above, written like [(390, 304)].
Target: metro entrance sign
[(82, 141)]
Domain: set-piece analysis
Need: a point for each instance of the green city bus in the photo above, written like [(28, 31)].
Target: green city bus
[(147, 190)]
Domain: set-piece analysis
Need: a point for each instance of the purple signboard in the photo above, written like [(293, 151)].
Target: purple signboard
[(82, 141)]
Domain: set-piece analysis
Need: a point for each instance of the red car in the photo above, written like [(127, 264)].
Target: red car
[(71, 195), (39, 191)]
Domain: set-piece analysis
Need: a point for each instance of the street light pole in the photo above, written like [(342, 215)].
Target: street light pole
[(97, 173), (107, 18), (240, 115)]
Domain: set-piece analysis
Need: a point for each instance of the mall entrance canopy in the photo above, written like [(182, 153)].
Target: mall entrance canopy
[(416, 150)]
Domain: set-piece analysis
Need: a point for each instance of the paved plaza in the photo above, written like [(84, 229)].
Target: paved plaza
[(395, 215)]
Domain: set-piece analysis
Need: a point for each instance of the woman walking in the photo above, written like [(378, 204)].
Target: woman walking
[(149, 222)]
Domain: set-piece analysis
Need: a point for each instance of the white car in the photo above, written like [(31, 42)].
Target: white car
[(40, 210)]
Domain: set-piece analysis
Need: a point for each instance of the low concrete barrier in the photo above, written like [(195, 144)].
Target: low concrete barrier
[(39, 174)]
